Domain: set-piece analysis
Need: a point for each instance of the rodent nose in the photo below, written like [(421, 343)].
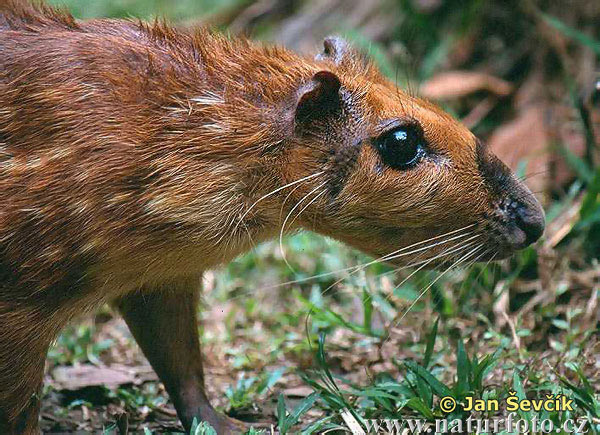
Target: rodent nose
[(530, 219)]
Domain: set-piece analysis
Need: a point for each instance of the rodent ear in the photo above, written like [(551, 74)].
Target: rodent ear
[(334, 48), (321, 95), (340, 51)]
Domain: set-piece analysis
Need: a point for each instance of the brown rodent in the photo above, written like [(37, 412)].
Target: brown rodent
[(135, 156)]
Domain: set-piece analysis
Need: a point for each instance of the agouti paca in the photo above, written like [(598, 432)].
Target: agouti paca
[(135, 156)]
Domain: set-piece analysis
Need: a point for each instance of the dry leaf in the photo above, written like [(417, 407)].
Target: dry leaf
[(88, 375), (456, 84), (525, 138)]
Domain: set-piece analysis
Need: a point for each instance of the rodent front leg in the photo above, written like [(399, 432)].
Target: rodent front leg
[(26, 331), (164, 324)]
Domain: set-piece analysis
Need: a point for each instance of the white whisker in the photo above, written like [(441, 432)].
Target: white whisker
[(425, 248), (391, 254), (403, 254), (463, 244), (423, 263), (378, 260), (308, 205), (431, 284), (286, 220), (273, 192)]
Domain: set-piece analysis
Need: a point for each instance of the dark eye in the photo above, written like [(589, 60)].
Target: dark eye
[(401, 148)]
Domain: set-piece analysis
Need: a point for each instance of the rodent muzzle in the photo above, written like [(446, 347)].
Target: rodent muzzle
[(529, 219), (517, 218), (518, 222)]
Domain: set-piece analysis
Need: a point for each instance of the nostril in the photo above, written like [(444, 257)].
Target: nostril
[(531, 221)]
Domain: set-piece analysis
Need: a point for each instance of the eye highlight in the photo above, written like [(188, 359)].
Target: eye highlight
[(401, 147)]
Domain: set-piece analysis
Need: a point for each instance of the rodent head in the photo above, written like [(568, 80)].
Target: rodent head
[(384, 170)]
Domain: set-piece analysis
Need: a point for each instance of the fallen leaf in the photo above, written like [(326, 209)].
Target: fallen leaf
[(88, 375), (525, 138), (455, 84)]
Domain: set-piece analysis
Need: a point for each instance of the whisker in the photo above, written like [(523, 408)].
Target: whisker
[(403, 254), (533, 174), (279, 189), (285, 200), (371, 262), (431, 284), (286, 220), (469, 266), (425, 248), (308, 205), (422, 264), (454, 250), (474, 260), (485, 266), (450, 250), (391, 255)]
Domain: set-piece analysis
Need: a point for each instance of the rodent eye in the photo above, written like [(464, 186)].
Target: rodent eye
[(401, 148)]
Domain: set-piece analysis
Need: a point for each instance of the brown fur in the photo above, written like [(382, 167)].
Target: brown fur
[(132, 157)]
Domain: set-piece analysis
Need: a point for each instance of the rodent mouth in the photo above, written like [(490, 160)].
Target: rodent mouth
[(504, 240), (515, 223)]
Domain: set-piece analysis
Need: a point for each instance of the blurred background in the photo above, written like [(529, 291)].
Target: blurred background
[(292, 347)]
